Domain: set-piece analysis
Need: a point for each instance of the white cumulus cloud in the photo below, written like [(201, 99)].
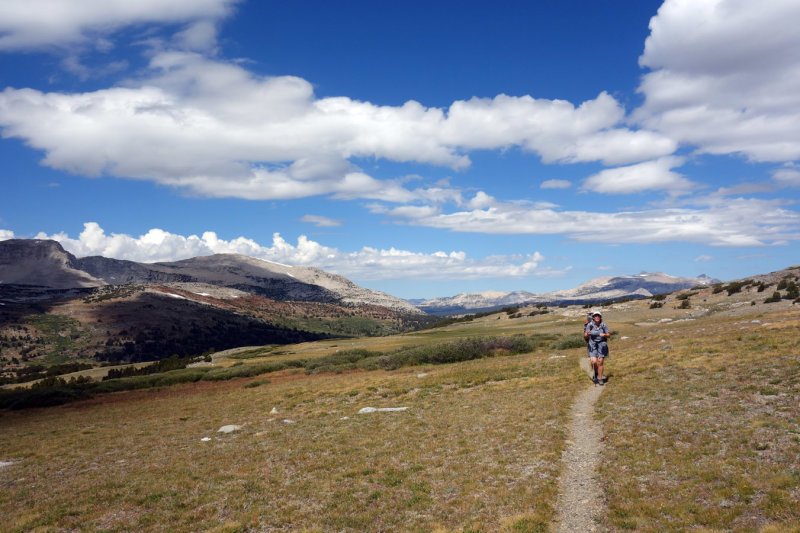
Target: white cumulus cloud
[(6, 234), (647, 176), (26, 24), (216, 129), (725, 77), (365, 264)]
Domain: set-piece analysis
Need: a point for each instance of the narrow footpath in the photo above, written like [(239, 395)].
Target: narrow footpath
[(580, 498)]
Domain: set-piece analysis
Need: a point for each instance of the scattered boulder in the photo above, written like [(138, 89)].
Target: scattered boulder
[(365, 410), (229, 429)]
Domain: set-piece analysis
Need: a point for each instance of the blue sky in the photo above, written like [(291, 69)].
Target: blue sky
[(422, 149)]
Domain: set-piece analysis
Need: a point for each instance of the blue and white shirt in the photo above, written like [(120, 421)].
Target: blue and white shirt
[(595, 331)]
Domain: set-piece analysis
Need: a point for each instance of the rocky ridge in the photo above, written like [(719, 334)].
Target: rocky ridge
[(46, 265), (643, 285)]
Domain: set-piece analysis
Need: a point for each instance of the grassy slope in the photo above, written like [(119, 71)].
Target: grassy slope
[(701, 430), (134, 323), (478, 447)]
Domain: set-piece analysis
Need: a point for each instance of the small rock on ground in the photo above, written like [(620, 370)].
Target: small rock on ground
[(380, 409)]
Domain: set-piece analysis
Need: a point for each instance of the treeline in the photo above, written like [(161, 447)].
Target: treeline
[(174, 362), (154, 342), (511, 311), (34, 372)]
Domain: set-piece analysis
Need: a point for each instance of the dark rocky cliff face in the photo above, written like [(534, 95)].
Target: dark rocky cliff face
[(225, 273), (47, 265), (120, 272), (14, 251), (42, 263)]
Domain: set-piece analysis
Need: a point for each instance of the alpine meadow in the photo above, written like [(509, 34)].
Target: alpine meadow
[(445, 267)]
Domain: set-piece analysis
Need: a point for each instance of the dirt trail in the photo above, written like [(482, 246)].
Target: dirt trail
[(580, 499)]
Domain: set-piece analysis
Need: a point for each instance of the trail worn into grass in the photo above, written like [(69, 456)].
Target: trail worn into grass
[(580, 496)]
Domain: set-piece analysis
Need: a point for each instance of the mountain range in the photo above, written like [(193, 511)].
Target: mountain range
[(56, 308), (643, 285), (46, 265), (44, 269)]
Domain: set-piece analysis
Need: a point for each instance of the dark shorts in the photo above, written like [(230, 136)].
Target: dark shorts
[(598, 349)]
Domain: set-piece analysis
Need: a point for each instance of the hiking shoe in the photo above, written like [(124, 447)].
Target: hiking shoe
[(594, 380), (601, 382)]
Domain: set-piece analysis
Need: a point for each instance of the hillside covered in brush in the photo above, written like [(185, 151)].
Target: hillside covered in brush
[(56, 309)]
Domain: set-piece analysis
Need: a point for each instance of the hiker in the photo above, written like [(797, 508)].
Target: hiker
[(596, 333)]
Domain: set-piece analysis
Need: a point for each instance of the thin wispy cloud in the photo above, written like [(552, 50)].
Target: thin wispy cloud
[(320, 221), (556, 184), (787, 177), (717, 222)]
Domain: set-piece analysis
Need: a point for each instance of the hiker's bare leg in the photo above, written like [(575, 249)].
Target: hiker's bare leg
[(593, 362), (600, 368)]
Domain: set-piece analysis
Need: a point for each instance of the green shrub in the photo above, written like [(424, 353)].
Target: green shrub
[(177, 376), (248, 371), (568, 342), (656, 305), (735, 286), (658, 297), (776, 297), (435, 354), (792, 291)]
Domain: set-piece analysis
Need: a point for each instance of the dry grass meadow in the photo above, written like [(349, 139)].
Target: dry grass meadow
[(701, 419)]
